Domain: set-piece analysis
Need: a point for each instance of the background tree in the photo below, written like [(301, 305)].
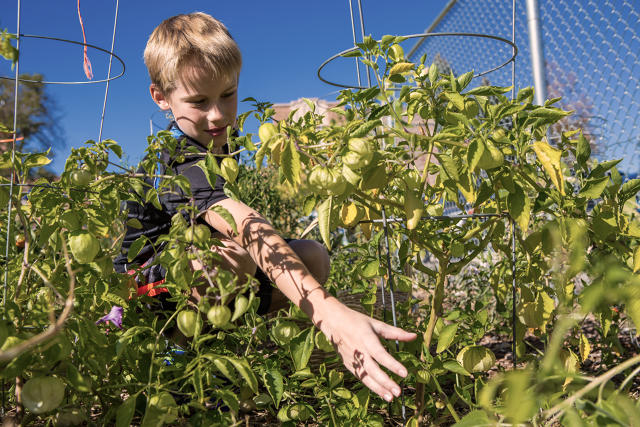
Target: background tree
[(37, 119)]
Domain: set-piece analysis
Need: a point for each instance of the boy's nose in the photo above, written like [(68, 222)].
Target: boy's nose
[(215, 113)]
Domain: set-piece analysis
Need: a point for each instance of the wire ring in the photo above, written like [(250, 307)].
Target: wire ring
[(425, 35), (69, 83)]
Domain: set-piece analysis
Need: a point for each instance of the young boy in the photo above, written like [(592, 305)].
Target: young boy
[(194, 65)]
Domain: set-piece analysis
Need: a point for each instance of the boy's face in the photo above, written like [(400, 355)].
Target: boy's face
[(202, 107)]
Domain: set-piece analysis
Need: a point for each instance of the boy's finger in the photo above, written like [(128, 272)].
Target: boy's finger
[(392, 333), (388, 361), (368, 378)]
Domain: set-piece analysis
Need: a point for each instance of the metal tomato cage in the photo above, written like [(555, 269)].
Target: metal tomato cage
[(540, 84), (18, 36)]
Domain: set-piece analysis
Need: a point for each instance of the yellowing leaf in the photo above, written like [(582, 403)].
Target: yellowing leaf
[(550, 159), (401, 67), (585, 347), (636, 259)]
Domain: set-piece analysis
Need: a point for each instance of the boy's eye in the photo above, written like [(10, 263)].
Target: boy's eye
[(229, 94), (197, 101)]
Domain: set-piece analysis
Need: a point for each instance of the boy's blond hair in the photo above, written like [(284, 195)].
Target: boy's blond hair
[(196, 40)]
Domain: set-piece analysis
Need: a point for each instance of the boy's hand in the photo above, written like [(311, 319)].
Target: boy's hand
[(356, 338)]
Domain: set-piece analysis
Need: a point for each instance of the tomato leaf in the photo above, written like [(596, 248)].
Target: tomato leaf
[(274, 383), (136, 247), (549, 157), (243, 368), (594, 187), (125, 412), (290, 161), (301, 347), (519, 205), (446, 336), (324, 221), (226, 215)]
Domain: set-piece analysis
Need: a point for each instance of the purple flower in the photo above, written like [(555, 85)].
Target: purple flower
[(114, 316)]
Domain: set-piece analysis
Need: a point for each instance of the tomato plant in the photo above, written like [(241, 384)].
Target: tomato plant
[(414, 146)]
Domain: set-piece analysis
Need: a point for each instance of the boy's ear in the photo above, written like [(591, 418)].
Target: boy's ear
[(158, 97)]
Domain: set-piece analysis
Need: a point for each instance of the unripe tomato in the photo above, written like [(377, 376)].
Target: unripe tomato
[(266, 131), (198, 234), (355, 160), (84, 246), (80, 177), (219, 315), (319, 179), (491, 157), (42, 394), (229, 169), (284, 332), (360, 146), (299, 412), (188, 322), (338, 184), (70, 417), (457, 249)]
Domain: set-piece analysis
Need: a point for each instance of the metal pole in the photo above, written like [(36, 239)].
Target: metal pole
[(13, 155), (537, 51)]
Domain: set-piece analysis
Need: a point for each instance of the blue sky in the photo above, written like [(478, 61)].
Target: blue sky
[(283, 44)]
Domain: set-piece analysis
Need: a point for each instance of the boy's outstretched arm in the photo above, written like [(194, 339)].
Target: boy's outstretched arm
[(355, 335)]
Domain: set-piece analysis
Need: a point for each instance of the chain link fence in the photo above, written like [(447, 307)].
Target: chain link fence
[(592, 60)]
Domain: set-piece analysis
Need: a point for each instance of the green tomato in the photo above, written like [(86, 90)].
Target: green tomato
[(284, 332), (70, 417), (198, 234), (84, 246), (219, 315), (80, 177), (229, 169), (42, 394), (356, 160), (337, 184), (188, 322), (457, 249), (491, 157), (320, 179), (266, 131)]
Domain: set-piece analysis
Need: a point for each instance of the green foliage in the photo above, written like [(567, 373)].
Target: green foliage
[(402, 152)]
